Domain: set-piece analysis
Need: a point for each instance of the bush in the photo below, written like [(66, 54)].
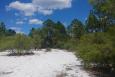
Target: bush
[(96, 48), (17, 45), (69, 44)]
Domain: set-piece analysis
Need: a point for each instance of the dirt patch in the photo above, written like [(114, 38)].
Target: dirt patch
[(20, 54), (62, 74), (5, 73)]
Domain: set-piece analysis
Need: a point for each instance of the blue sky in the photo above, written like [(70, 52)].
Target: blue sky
[(22, 15)]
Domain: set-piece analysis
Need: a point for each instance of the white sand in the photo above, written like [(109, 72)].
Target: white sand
[(42, 64)]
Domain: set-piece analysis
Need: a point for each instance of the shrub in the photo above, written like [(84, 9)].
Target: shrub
[(96, 48)]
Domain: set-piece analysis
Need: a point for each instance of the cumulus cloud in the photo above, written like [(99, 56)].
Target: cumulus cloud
[(41, 6), (35, 21), (27, 8), (17, 29), (19, 22), (48, 6), (53, 4)]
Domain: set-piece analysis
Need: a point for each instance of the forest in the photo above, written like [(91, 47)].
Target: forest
[(92, 41)]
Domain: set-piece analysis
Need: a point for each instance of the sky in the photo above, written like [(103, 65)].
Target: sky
[(22, 15)]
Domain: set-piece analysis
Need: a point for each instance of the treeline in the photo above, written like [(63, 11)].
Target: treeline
[(50, 35), (97, 46), (4, 31)]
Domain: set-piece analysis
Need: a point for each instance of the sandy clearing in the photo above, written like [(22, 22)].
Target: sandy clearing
[(42, 64)]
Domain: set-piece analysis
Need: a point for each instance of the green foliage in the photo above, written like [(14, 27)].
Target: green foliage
[(17, 44), (53, 34), (104, 10), (60, 35), (70, 45), (22, 42), (36, 37), (96, 48), (6, 43), (76, 29), (92, 24), (10, 32), (48, 33), (105, 7), (4, 31)]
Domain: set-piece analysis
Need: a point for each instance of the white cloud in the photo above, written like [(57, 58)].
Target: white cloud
[(27, 8), (53, 4), (45, 12), (48, 6), (17, 29), (41, 6), (19, 22), (35, 21)]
